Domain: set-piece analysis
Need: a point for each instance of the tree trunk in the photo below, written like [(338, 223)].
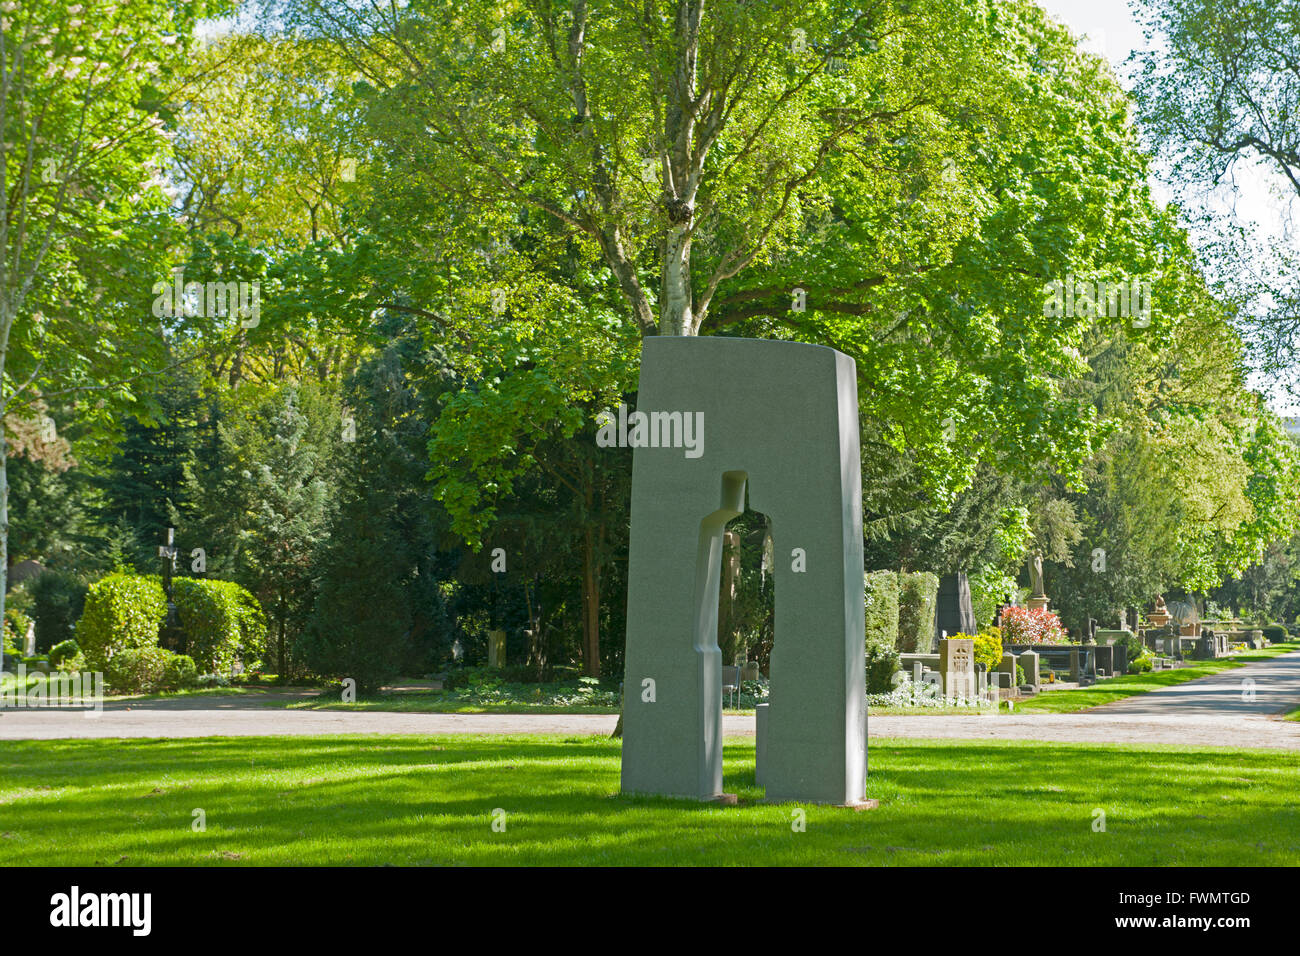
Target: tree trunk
[(283, 656), (677, 316), (4, 522), (7, 325), (590, 608)]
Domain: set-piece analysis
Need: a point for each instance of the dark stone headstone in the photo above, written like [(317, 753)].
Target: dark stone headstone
[(953, 611)]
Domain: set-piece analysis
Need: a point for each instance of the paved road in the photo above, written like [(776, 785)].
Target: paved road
[(1211, 711), (1269, 687)]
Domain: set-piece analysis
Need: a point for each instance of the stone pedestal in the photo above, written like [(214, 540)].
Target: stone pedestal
[(957, 665)]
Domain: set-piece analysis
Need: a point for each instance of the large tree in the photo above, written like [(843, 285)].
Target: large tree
[(1219, 92), (85, 90)]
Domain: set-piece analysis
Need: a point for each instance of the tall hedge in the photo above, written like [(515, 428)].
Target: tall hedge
[(918, 597), (222, 622), (122, 611), (881, 589)]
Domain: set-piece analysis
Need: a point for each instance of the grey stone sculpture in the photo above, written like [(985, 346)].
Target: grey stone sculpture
[(780, 418)]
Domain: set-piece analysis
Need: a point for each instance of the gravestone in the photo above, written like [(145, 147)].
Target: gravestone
[(1008, 666), (1111, 658), (957, 666), (1028, 661), (718, 417), (954, 613)]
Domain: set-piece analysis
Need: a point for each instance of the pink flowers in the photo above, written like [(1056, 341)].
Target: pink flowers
[(1020, 625)]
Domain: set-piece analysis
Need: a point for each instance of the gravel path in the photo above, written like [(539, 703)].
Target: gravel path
[(1211, 711)]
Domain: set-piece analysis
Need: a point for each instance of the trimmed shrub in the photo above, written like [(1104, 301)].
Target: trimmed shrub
[(137, 670), (918, 596), (144, 670), (881, 594), (1275, 633), (988, 648), (881, 589), (63, 651), (179, 673), (882, 665), (122, 612), (222, 622), (58, 599)]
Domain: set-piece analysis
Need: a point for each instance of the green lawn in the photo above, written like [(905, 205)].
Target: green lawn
[(429, 800), (1117, 688)]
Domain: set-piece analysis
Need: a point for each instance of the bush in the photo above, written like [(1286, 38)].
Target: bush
[(223, 623), (63, 651), (123, 611), (881, 595), (988, 648), (918, 594), (179, 673), (881, 592), (1020, 625), (882, 665), (16, 625), (1142, 663), (145, 670), (989, 590), (137, 670), (1275, 633), (58, 599)]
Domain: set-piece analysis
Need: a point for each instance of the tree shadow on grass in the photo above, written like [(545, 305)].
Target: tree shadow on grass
[(433, 801)]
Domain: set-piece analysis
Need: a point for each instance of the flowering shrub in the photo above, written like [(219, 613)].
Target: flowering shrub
[(1020, 625), (907, 694)]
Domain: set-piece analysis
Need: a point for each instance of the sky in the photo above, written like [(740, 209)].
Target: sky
[(1260, 198)]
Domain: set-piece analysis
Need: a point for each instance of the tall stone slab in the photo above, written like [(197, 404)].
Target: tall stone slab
[(1028, 662), (954, 613), (781, 420)]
